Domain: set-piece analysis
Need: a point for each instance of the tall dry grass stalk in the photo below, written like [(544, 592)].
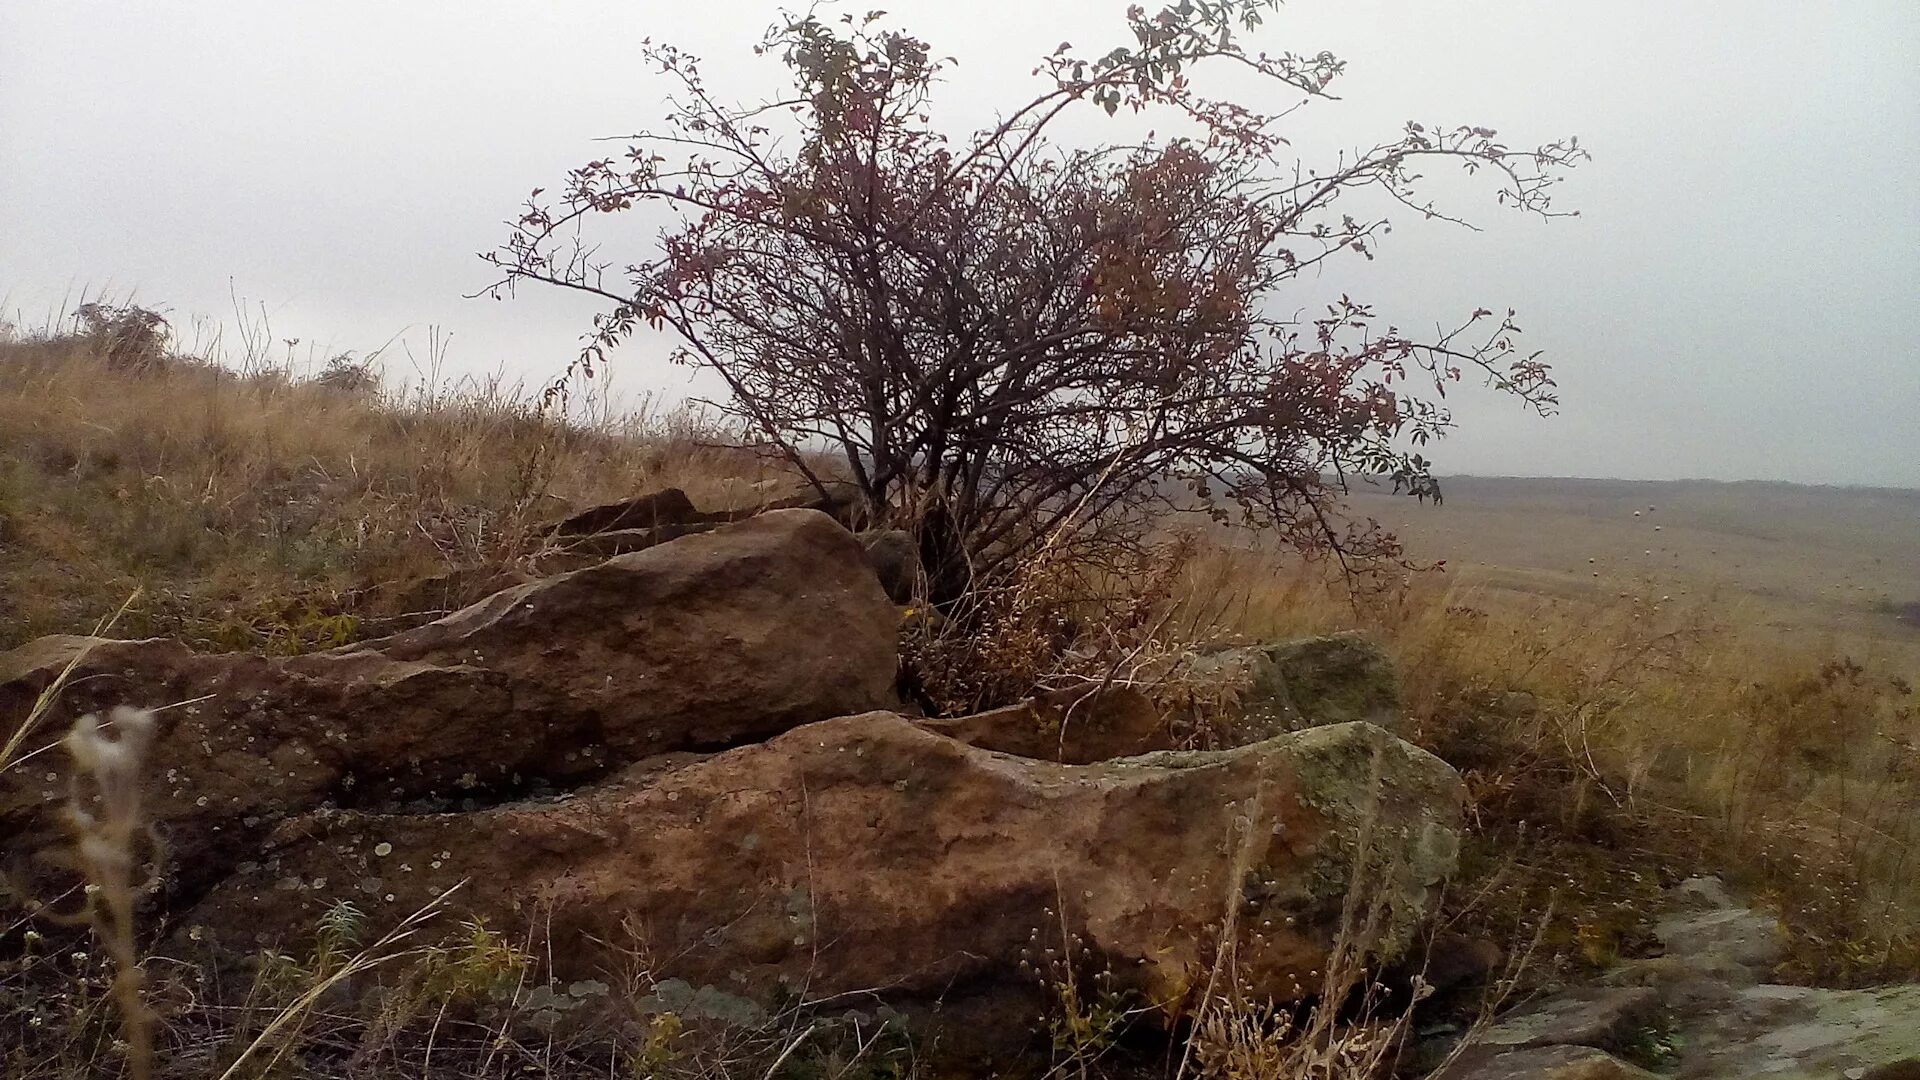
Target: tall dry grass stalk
[(1345, 1033), (104, 812)]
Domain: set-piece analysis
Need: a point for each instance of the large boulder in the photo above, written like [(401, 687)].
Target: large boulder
[(1290, 685), (701, 644), (867, 857)]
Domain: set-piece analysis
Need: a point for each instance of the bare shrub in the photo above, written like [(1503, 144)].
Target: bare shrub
[(1001, 333), (349, 375), (1051, 623), (127, 336)]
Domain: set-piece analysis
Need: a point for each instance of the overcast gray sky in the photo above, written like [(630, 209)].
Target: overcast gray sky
[(1740, 299)]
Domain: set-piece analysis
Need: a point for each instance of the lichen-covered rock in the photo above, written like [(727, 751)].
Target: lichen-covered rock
[(1804, 1033), (1737, 943), (869, 855), (1583, 1016), (1290, 685), (1702, 1003)]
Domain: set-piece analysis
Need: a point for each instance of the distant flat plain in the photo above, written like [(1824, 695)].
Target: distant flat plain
[(1839, 562)]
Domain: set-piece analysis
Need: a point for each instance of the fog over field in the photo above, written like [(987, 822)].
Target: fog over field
[(1737, 300)]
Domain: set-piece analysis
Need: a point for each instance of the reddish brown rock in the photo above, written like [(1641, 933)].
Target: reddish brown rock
[(700, 644), (869, 856), (1077, 726)]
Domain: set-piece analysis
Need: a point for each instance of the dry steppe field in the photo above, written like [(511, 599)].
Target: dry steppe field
[(1825, 565)]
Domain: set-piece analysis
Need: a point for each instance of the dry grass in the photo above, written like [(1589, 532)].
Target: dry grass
[(1610, 745), (254, 510)]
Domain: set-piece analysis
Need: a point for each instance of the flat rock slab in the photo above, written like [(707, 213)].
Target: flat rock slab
[(605, 545), (1587, 1016), (1802, 1033), (1572, 1028), (1705, 999), (1725, 939)]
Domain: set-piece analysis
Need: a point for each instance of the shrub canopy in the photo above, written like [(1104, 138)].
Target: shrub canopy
[(1012, 342)]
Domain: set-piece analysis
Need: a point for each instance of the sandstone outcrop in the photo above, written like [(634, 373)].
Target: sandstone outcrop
[(1705, 1005), (718, 639), (867, 857)]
